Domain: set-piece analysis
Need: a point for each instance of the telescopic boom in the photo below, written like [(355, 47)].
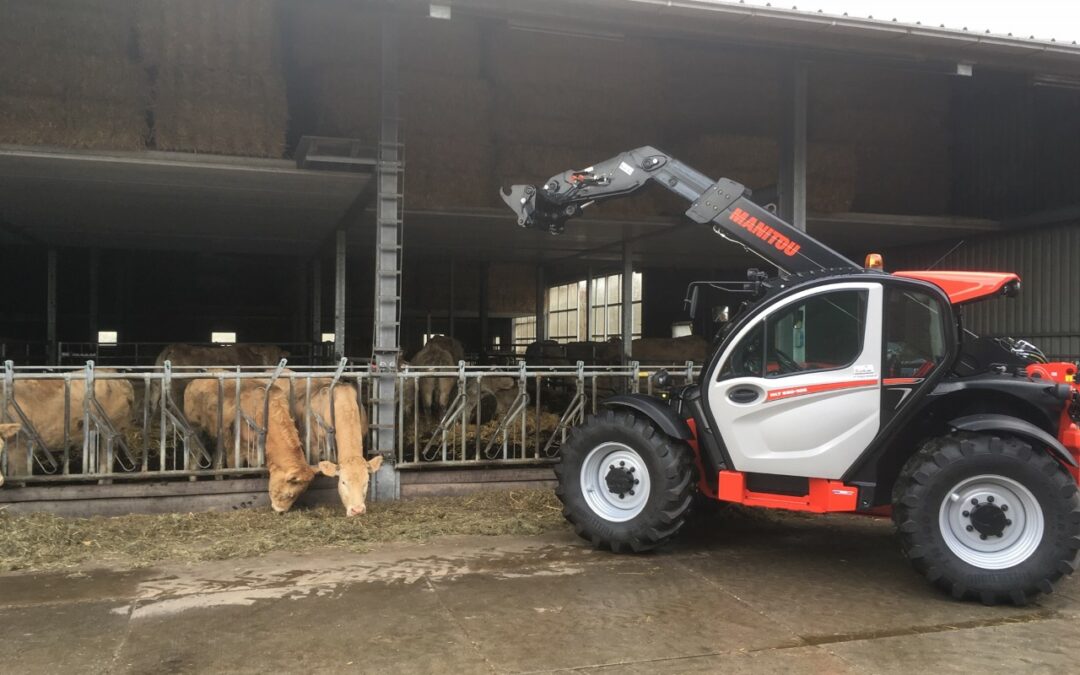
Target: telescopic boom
[(724, 204)]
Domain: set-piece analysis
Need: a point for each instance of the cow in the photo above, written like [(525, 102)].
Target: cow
[(218, 355), (290, 473), (593, 353), (350, 425), (439, 350), (42, 401), (546, 353), (7, 431), (663, 351)]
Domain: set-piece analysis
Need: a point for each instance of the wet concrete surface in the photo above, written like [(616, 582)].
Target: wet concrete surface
[(737, 595)]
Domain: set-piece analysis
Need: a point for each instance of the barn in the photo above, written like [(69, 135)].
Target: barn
[(324, 177)]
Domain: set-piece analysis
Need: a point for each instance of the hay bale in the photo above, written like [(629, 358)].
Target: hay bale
[(831, 174), (449, 171), (86, 27), (334, 33), (519, 56), (219, 86), (220, 112), (435, 104), (440, 47), (240, 35), (339, 101)]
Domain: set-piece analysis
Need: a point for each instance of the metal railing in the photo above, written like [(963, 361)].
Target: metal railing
[(109, 424), (126, 354)]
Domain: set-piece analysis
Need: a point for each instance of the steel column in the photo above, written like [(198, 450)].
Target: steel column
[(588, 303), (339, 293), (388, 239), (92, 290), (792, 185), (541, 315), (485, 271), (450, 313), (316, 301), (627, 301), (50, 307)]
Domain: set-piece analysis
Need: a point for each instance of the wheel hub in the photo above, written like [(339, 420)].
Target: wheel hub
[(620, 480), (991, 522), (615, 482), (989, 519)]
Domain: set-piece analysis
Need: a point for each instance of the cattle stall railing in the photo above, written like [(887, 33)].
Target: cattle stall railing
[(91, 424)]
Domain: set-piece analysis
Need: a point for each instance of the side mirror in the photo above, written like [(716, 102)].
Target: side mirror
[(692, 301), (721, 314)]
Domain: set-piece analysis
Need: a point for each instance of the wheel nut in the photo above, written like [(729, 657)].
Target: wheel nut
[(990, 499), (1004, 507), (612, 467), (1007, 522), (631, 492), (982, 536), (621, 495), (621, 463), (974, 501), (632, 469), (970, 528), (636, 481), (966, 514)]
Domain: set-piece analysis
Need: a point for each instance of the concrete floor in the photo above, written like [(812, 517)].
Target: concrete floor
[(779, 594)]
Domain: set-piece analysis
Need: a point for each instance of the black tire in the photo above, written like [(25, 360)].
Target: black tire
[(668, 461), (944, 463)]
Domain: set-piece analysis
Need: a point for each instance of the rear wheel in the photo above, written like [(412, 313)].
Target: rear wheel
[(624, 484), (988, 517)]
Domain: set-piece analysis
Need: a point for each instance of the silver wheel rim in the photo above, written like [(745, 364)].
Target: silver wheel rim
[(595, 486), (1017, 541)]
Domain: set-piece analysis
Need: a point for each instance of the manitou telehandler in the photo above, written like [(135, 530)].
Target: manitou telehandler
[(836, 388)]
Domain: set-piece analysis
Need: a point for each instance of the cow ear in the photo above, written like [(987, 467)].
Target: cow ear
[(328, 468), (375, 463), (9, 430)]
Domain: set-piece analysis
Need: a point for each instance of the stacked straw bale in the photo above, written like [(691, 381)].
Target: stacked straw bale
[(897, 125), (218, 85), (565, 102), (68, 75)]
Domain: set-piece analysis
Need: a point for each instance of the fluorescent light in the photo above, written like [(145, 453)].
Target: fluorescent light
[(223, 338), (328, 337), (439, 11), (106, 337)]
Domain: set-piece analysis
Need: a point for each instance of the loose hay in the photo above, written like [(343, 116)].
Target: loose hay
[(42, 541)]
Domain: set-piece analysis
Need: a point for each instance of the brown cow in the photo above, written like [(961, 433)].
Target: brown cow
[(350, 429), (43, 403), (439, 350), (218, 355), (290, 473), (7, 431)]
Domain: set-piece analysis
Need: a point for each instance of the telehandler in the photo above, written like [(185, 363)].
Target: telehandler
[(837, 388)]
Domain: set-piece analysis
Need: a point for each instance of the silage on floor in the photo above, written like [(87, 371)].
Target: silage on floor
[(43, 541)]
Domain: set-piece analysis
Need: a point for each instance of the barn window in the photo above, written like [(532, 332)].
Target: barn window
[(328, 337), (606, 307), (223, 338), (524, 332), (106, 337)]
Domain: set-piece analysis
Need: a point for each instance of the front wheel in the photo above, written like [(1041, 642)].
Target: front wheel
[(624, 484), (987, 517)]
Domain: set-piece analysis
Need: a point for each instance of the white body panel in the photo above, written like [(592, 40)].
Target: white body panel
[(813, 424)]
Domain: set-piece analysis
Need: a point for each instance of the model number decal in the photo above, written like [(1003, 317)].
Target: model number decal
[(778, 394)]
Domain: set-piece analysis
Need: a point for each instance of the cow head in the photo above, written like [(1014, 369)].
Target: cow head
[(287, 485), (353, 475), (6, 432)]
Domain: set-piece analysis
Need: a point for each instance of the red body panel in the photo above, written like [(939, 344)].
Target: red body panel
[(826, 496), (1068, 431), (964, 287)]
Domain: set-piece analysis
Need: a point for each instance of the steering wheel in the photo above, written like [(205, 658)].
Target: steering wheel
[(786, 363)]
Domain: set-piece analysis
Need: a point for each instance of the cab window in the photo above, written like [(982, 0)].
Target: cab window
[(914, 333), (823, 332)]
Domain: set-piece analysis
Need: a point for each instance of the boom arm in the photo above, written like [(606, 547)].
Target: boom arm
[(724, 204)]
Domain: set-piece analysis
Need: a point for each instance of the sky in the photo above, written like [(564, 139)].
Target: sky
[(1045, 19)]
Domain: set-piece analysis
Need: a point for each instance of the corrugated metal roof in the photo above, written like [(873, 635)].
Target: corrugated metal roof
[(792, 26), (893, 27)]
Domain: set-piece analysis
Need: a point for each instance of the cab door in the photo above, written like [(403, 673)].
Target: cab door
[(798, 391)]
